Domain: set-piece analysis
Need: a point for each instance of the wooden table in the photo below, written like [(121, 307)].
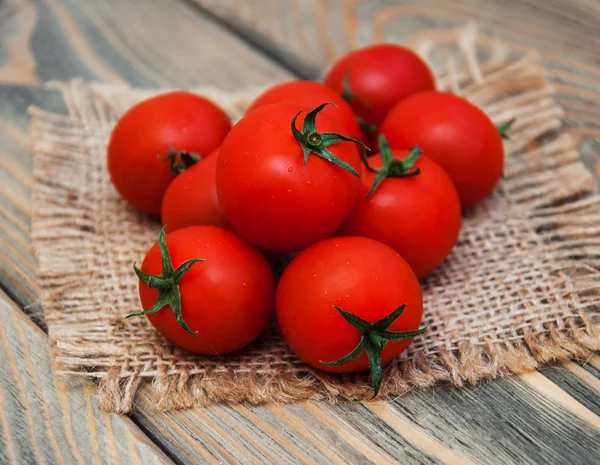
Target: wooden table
[(547, 417)]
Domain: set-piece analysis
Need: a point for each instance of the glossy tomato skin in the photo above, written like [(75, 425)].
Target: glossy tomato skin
[(380, 76), (228, 298), (269, 196), (418, 216), (311, 94), (456, 134), (357, 274), (191, 198), (141, 138)]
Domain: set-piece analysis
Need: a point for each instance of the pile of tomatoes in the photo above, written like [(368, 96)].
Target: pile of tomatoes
[(360, 181)]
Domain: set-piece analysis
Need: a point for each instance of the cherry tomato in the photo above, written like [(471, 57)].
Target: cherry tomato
[(456, 134), (212, 306), (191, 198), (311, 94), (374, 78), (158, 128), (283, 189), (341, 276), (409, 203)]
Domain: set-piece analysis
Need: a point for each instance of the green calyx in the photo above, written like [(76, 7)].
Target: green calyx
[(181, 160), (167, 284), (391, 167), (312, 141), (504, 128), (374, 338)]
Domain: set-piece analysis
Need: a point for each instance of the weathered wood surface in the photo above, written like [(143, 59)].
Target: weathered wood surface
[(550, 417), (49, 420)]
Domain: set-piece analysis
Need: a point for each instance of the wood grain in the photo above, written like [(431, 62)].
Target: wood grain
[(317, 32), (49, 420)]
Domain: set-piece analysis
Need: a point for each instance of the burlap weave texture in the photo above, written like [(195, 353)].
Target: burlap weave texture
[(520, 289)]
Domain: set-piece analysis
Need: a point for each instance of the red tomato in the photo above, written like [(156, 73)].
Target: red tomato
[(278, 193), (311, 94), (359, 275), (374, 78), (225, 301), (454, 133), (418, 215), (191, 198), (146, 133)]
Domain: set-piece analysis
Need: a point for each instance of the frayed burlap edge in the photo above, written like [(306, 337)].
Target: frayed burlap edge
[(560, 206)]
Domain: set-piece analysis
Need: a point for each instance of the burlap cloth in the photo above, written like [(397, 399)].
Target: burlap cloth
[(520, 289)]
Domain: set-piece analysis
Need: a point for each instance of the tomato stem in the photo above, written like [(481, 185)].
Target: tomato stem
[(375, 336), (348, 94), (505, 127), (313, 141), (167, 284), (180, 160), (391, 167)]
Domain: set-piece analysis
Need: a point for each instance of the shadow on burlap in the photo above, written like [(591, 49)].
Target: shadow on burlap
[(520, 289)]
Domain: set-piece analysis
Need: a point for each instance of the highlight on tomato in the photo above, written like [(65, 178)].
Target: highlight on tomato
[(408, 202), (456, 134), (156, 139), (373, 79), (206, 290), (283, 188), (191, 198), (311, 94), (347, 304)]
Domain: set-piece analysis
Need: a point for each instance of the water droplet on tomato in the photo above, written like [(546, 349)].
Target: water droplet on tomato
[(207, 246), (289, 191), (337, 245), (309, 183), (245, 284), (314, 275), (347, 261), (290, 169), (326, 293), (376, 278)]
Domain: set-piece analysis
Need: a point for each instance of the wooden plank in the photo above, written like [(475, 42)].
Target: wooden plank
[(49, 420), (502, 422), (165, 43), (317, 32)]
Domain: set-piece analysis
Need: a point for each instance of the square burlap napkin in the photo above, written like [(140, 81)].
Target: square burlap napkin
[(520, 289)]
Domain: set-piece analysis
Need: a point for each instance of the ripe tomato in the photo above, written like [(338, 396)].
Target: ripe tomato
[(163, 125), (454, 133), (359, 276), (311, 94), (374, 78), (191, 198), (216, 295), (410, 204), (282, 189)]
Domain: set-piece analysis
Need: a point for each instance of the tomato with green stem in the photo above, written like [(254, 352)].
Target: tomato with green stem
[(311, 94), (373, 79), (283, 188), (408, 202), (347, 304), (206, 290), (157, 138), (191, 198), (456, 134)]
